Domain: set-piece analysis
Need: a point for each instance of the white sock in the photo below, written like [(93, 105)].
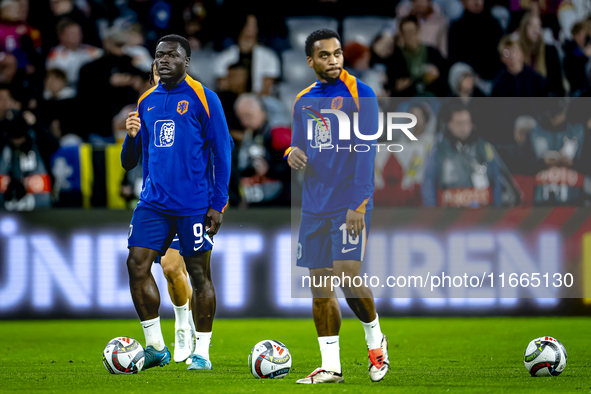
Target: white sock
[(153, 333), (373, 333), (191, 321), (181, 317), (203, 341), (329, 348)]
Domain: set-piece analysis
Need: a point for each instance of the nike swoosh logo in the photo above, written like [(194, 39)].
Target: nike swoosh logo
[(149, 108), (196, 249), (373, 325), (330, 343), (149, 325), (347, 250), (208, 239)]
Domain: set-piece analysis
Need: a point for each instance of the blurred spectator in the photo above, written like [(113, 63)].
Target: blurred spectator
[(462, 82), (399, 175), (107, 85), (517, 79), (546, 10), (576, 55), (416, 69), (24, 181), (134, 48), (22, 86), (47, 20), (8, 68), (8, 106), (261, 63), (157, 18), (463, 170), (25, 155), (381, 50), (10, 109), (542, 58), (195, 18), (229, 88), (119, 129), (559, 162), (71, 54), (17, 37), (265, 176), (432, 22), (473, 39), (55, 108), (569, 13), (357, 63), (56, 85), (13, 26)]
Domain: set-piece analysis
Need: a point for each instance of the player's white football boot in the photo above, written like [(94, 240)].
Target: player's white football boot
[(183, 344), (379, 362), (322, 376)]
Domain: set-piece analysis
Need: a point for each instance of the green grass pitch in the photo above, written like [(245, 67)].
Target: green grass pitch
[(468, 355)]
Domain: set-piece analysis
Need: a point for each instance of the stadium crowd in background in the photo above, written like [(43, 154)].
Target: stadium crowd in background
[(61, 59)]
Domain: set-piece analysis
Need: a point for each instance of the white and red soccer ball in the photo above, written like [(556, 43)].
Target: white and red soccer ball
[(123, 356), (269, 360), (545, 356)]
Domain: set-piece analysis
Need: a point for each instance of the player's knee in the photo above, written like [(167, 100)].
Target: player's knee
[(169, 270), (346, 273), (324, 292), (198, 277), (169, 273), (323, 302), (137, 267)]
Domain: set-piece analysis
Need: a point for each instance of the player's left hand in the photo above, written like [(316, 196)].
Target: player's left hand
[(213, 220), (355, 223)]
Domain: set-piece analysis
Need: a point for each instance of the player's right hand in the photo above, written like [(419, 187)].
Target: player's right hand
[(132, 124), (297, 159)]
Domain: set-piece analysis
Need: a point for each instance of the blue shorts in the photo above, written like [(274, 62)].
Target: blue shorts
[(155, 230), (175, 244), (324, 240)]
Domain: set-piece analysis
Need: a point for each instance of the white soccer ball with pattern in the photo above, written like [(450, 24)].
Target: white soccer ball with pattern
[(269, 360), (545, 356), (123, 356)]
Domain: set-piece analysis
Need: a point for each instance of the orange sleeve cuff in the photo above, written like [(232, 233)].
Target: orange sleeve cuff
[(361, 208), (287, 152)]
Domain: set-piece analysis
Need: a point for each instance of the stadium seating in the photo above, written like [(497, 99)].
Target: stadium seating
[(364, 28), (295, 69), (300, 28), (201, 66), (288, 93)]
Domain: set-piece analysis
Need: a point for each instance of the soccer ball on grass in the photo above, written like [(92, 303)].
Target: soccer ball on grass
[(545, 356), (269, 360), (123, 356)]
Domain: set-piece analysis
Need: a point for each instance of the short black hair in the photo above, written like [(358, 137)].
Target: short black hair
[(454, 106), (409, 18), (58, 73), (183, 42), (317, 35), (151, 76), (63, 23)]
